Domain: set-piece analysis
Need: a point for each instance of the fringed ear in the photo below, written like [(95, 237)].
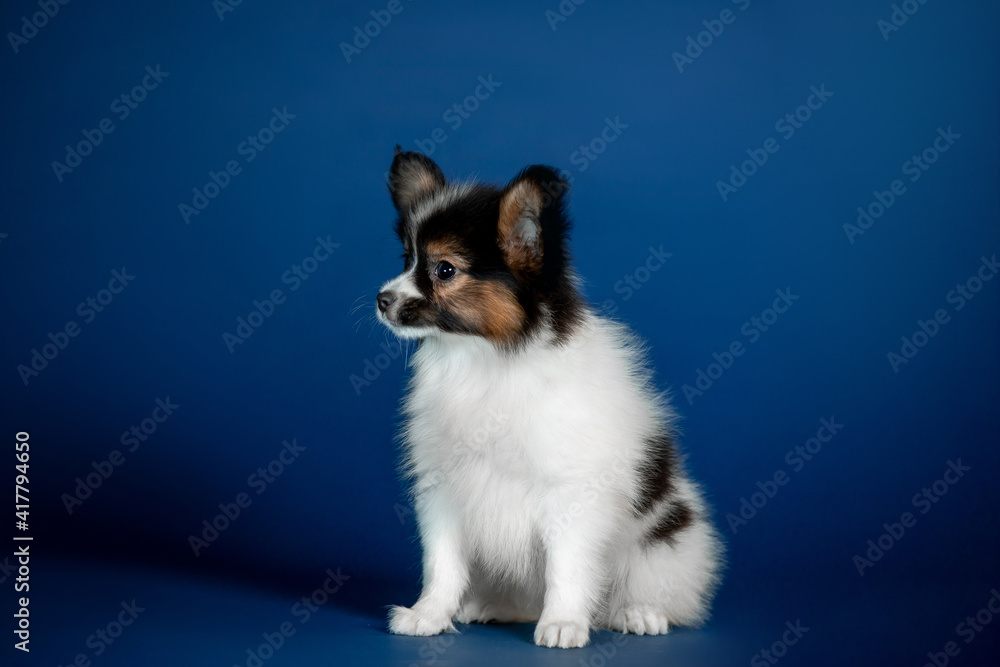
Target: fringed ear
[(535, 192), (412, 177)]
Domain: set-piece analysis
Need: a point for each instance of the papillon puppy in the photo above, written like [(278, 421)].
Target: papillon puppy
[(546, 482)]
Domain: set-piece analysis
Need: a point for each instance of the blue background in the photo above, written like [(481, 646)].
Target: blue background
[(340, 504)]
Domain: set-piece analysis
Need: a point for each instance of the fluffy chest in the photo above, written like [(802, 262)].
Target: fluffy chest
[(474, 435), (464, 409), (516, 444), (472, 438)]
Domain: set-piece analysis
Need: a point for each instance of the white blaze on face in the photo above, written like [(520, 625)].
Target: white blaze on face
[(405, 288), (441, 200), (404, 284)]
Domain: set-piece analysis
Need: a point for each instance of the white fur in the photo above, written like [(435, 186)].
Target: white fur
[(524, 467), (441, 199), (404, 285)]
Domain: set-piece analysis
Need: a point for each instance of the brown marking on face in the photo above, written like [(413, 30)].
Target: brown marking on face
[(519, 238), (448, 250), (487, 307)]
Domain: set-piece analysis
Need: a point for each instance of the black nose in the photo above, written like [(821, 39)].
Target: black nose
[(385, 299)]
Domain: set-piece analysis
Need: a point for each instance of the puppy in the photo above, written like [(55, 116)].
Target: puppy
[(546, 482)]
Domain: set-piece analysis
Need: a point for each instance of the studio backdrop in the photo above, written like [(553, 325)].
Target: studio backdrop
[(795, 204)]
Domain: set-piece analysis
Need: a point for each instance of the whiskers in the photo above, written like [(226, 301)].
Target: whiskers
[(364, 302), (366, 306)]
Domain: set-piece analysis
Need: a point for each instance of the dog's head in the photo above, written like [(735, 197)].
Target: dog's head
[(479, 260)]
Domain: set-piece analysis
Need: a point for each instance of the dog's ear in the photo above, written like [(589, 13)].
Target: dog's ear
[(530, 213), (412, 177)]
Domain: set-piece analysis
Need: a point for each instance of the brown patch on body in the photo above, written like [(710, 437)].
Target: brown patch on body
[(520, 235), (487, 307)]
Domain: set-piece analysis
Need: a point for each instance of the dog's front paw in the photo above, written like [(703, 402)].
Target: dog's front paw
[(640, 621), (407, 621), (562, 634)]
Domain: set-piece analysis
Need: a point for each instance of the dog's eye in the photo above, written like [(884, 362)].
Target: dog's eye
[(444, 271)]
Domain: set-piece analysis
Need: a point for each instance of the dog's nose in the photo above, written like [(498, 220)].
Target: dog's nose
[(385, 299)]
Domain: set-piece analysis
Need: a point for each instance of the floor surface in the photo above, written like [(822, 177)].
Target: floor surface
[(175, 618)]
